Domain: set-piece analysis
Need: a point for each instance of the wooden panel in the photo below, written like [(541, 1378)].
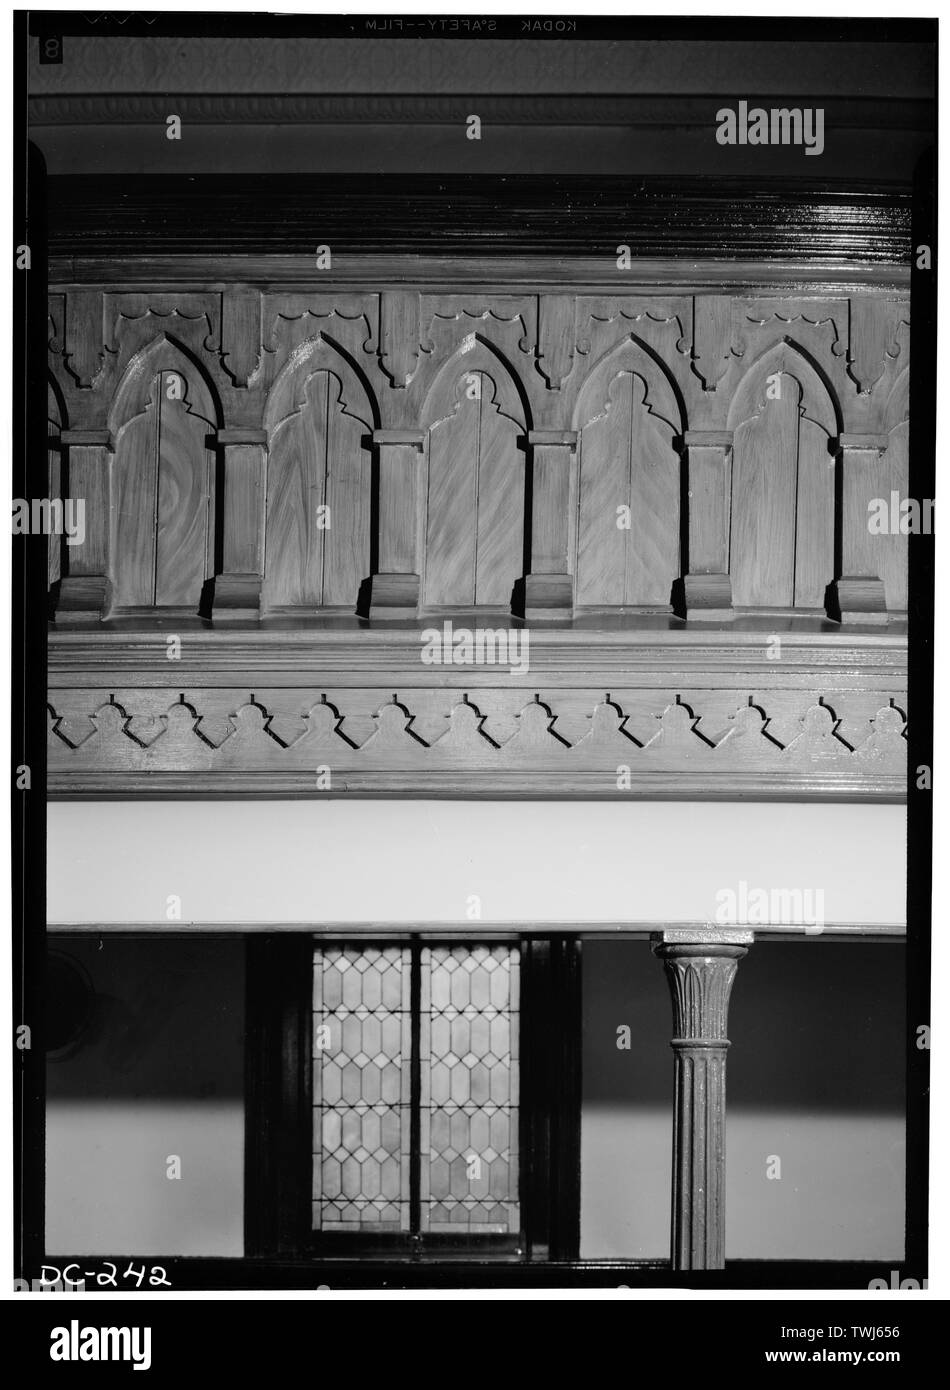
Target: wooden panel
[(764, 486), (709, 471), (815, 518), (347, 539), (550, 505), (182, 559), (499, 555), (866, 476), (243, 501), (134, 486), (88, 468), (162, 520), (627, 460), (892, 567), (653, 545), (318, 460), (476, 472), (53, 476), (471, 518), (398, 471), (604, 484)]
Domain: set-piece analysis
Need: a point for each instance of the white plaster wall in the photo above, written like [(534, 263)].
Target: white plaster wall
[(419, 861)]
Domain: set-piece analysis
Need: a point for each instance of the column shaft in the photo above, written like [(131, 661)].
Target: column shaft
[(394, 588), (237, 590), (700, 976), (549, 588), (707, 586), (859, 591)]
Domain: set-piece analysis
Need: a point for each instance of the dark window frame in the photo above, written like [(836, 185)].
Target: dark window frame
[(278, 1113)]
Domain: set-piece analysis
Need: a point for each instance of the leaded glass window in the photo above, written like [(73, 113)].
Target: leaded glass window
[(415, 1090)]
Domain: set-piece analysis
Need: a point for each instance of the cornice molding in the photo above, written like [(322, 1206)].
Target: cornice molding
[(427, 274), (372, 222), (394, 652), (590, 719)]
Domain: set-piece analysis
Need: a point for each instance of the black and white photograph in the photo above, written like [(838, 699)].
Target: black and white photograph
[(473, 658)]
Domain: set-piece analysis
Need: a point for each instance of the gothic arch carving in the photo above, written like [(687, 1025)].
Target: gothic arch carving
[(163, 353), (163, 419), (818, 400), (626, 515), (476, 354), (475, 416), (634, 355), (784, 418), (318, 419), (316, 354)]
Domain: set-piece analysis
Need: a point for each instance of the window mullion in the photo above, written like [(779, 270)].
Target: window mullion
[(415, 1089)]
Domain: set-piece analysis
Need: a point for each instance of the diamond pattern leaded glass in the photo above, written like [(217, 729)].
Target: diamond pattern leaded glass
[(361, 1089), (469, 1090)]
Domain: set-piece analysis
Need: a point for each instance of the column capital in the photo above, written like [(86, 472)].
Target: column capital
[(88, 439), (414, 438), (703, 936), (242, 434), (700, 976), (707, 439), (565, 438), (876, 443)]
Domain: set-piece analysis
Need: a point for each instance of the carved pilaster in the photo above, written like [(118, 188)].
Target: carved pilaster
[(394, 588), (84, 588), (549, 588), (700, 972), (707, 586), (859, 592), (237, 590)]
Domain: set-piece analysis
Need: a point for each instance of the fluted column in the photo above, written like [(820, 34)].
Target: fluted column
[(700, 973)]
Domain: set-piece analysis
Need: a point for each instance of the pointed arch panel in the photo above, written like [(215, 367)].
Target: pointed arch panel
[(474, 505), (627, 535), (782, 536), (162, 532), (319, 422)]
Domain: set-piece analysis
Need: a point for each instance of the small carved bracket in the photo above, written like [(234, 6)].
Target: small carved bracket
[(241, 333), (712, 334), (874, 336), (84, 336), (400, 335), (557, 337)]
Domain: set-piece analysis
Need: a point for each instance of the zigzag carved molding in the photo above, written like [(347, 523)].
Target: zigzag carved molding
[(112, 741)]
